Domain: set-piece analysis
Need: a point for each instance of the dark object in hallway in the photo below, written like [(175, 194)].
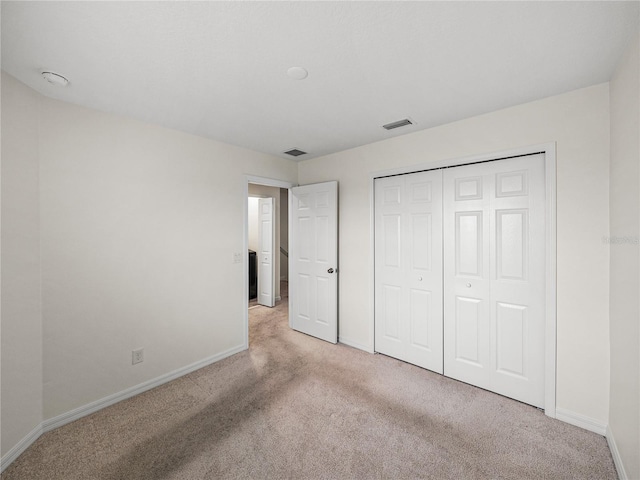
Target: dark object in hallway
[(253, 275)]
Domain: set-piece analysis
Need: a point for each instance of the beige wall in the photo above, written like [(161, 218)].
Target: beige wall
[(21, 326), (115, 235), (579, 122), (139, 227), (624, 415)]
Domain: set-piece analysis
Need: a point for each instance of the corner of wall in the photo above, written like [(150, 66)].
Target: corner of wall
[(624, 263), (22, 323), (615, 453)]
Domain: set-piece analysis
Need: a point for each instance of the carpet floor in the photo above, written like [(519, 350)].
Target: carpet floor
[(296, 407)]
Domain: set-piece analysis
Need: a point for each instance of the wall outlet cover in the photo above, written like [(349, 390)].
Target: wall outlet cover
[(137, 356)]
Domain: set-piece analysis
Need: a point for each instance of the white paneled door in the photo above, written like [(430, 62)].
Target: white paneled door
[(266, 235), (494, 286), (408, 268), (459, 273), (313, 260)]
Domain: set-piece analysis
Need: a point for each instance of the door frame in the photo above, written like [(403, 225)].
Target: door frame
[(269, 182), (549, 151)]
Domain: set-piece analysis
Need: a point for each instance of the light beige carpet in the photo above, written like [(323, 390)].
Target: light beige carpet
[(295, 407)]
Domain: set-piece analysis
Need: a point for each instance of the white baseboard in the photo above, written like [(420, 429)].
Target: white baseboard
[(615, 453), (20, 447), (92, 407), (581, 421), (83, 411), (353, 344)]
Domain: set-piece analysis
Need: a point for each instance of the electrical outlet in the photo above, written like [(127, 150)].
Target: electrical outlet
[(237, 258), (137, 356)]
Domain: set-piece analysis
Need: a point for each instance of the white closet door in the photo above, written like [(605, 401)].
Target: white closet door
[(408, 268), (494, 257)]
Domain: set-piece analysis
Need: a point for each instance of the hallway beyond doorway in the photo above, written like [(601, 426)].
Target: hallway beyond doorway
[(284, 297)]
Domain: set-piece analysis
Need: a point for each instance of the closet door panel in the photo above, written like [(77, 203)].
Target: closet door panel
[(494, 232), (467, 354), (408, 256)]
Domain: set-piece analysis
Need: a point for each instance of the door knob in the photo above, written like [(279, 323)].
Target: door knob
[(468, 285), (419, 278), (330, 270)]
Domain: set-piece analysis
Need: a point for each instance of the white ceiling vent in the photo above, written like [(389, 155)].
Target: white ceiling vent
[(294, 152), (398, 124)]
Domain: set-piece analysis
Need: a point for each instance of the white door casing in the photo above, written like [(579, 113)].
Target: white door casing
[(494, 276), (313, 260), (266, 255), (408, 268)]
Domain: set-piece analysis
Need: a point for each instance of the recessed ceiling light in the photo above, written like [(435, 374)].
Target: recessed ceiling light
[(55, 79), (298, 73)]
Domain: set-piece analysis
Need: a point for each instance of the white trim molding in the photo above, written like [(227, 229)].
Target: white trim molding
[(107, 401), (83, 411), (615, 453), (549, 151), (581, 421), (550, 340), (20, 447)]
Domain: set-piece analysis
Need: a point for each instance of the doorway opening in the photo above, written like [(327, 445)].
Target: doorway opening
[(268, 242), (266, 247)]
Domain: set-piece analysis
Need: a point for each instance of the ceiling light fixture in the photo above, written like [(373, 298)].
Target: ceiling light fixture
[(298, 73), (55, 79)]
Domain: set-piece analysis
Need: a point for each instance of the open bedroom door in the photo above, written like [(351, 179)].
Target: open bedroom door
[(313, 260)]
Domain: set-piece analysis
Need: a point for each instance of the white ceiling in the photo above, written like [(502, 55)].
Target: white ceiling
[(218, 69)]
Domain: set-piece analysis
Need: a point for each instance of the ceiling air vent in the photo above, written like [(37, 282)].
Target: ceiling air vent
[(398, 124), (294, 152)]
